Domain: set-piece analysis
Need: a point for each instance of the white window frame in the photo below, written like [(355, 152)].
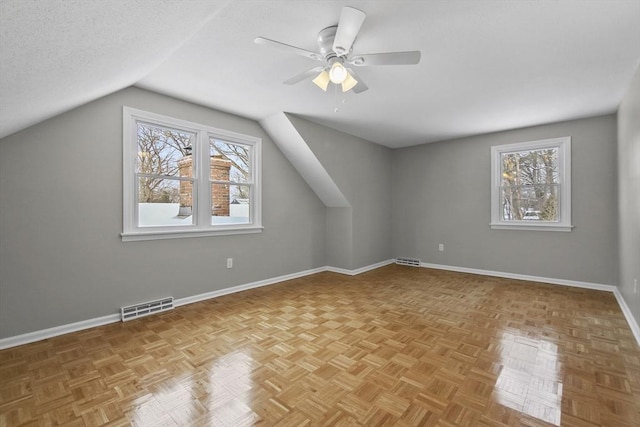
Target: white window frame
[(563, 144), (201, 189)]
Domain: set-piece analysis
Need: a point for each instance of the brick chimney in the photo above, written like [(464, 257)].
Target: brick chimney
[(220, 168), (185, 167), (220, 193)]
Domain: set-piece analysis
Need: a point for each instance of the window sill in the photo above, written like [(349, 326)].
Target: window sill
[(184, 234), (531, 226)]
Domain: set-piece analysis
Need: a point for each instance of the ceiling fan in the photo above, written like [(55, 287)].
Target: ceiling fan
[(336, 43)]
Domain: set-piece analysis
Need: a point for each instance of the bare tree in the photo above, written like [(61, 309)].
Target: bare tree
[(529, 184), (159, 151)]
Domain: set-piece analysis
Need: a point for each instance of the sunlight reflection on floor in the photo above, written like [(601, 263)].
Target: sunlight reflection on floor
[(530, 381)]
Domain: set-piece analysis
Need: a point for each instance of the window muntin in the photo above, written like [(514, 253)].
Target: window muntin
[(531, 185), (183, 179)]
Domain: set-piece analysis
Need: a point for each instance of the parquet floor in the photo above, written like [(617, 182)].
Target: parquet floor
[(398, 346)]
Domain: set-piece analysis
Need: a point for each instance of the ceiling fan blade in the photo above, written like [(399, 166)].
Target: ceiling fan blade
[(348, 27), (389, 58), (304, 75), (361, 86), (288, 48)]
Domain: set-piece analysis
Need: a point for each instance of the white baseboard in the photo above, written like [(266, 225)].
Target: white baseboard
[(359, 270), (57, 330), (573, 283), (576, 284), (226, 291), (627, 314), (113, 318)]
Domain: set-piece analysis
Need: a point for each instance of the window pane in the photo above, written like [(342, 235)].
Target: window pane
[(530, 202), (164, 202), (230, 161), (530, 167), (162, 151), (230, 204)]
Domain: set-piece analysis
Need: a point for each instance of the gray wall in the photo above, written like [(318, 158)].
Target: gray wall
[(61, 257), (339, 239), (62, 260), (362, 172), (629, 195), (442, 195)]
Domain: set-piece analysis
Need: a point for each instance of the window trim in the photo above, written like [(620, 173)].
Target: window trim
[(201, 187), (563, 144)]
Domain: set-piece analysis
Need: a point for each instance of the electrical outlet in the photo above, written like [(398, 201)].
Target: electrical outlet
[(229, 262), (441, 247)]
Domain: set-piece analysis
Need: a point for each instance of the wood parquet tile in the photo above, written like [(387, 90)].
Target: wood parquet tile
[(398, 346)]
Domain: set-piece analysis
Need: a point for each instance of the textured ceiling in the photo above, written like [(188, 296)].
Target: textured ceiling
[(486, 65)]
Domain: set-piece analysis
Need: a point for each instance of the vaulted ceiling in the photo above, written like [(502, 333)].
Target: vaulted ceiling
[(486, 65)]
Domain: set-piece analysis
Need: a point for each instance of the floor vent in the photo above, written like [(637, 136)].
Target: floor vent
[(408, 261), (146, 308)]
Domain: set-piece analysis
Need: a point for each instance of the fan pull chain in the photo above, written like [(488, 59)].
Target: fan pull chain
[(338, 102)]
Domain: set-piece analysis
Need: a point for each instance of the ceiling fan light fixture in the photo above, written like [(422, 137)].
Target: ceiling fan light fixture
[(335, 45), (337, 72), (322, 80), (349, 83)]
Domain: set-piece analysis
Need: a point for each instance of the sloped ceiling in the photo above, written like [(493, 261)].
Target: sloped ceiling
[(486, 65)]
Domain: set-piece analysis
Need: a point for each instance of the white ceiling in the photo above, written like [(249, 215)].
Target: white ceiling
[(486, 65)]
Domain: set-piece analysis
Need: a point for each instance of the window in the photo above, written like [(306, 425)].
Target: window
[(531, 185), (184, 179)]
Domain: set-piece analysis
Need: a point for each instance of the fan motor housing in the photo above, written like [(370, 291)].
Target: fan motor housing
[(325, 41)]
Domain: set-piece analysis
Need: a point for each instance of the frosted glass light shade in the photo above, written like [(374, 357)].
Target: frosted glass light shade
[(322, 80), (349, 83)]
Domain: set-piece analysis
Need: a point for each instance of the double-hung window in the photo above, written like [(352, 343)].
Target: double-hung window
[(183, 179), (531, 185)]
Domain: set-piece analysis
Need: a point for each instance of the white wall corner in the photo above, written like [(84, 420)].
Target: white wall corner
[(635, 328)]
